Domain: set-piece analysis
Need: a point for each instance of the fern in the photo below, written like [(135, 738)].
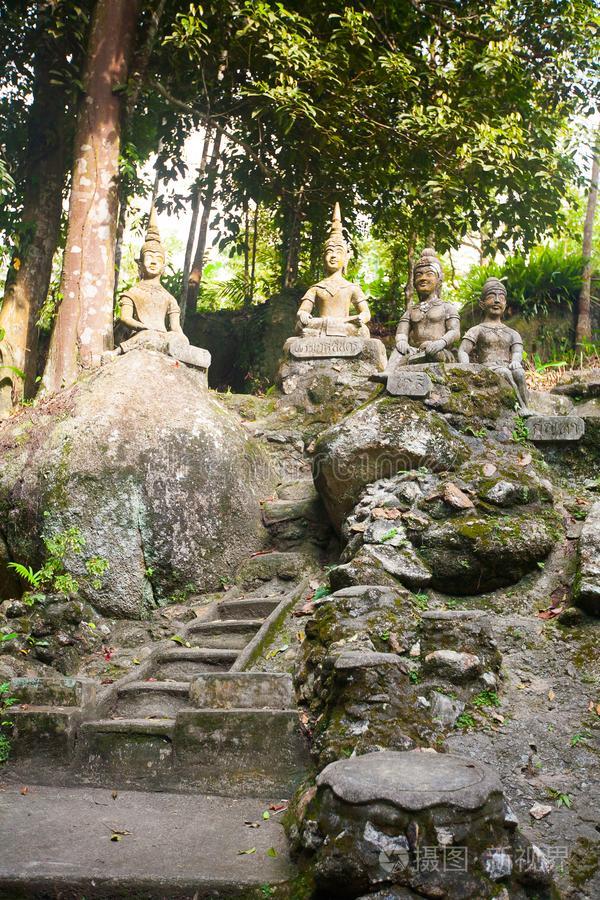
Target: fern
[(27, 574)]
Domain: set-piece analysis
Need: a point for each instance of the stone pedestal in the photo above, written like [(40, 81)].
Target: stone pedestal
[(553, 429), (317, 371), (433, 823)]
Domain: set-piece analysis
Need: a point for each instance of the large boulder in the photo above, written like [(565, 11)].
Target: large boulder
[(377, 441), (153, 473)]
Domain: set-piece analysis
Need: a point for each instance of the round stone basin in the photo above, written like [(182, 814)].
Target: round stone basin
[(412, 780)]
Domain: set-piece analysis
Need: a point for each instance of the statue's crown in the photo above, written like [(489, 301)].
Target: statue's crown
[(336, 233), (152, 240), (493, 284), (429, 260)]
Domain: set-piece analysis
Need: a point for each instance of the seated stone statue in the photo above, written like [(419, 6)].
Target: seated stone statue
[(428, 328), (325, 307), (152, 313), (494, 344)]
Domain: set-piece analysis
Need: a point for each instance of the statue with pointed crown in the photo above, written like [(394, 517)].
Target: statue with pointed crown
[(151, 313), (428, 328), (325, 309)]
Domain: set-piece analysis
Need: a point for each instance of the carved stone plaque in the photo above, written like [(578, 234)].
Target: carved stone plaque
[(325, 347), (555, 428), (404, 383)]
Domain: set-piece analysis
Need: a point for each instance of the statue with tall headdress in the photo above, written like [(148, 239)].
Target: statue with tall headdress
[(326, 307), (428, 328), (151, 313)]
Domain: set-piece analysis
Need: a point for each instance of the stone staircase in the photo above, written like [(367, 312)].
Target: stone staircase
[(190, 719)]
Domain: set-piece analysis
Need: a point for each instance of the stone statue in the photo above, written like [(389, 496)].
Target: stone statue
[(152, 313), (332, 298), (428, 328), (494, 344)]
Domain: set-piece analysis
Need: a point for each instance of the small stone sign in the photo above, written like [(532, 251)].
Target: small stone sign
[(555, 428), (404, 383), (325, 347)]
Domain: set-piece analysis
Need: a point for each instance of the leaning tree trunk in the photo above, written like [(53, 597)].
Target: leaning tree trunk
[(583, 328), (84, 324), (31, 266), (198, 264), (292, 256), (189, 247)]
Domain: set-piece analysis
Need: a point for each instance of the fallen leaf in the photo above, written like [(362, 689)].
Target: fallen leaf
[(551, 694), (24, 790), (266, 814), (247, 852), (272, 852), (252, 824), (489, 469), (453, 496), (114, 795), (273, 653), (261, 553), (279, 807), (116, 837), (539, 810), (525, 459), (306, 610), (551, 613)]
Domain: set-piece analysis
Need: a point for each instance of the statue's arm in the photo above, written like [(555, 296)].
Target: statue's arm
[(305, 309), (467, 345), (362, 305), (516, 352), (402, 332), (127, 316), (174, 316), (452, 334)]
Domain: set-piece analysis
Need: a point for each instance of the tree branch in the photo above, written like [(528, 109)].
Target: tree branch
[(209, 120)]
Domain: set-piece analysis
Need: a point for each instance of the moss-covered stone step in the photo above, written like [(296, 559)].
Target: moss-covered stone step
[(232, 634), (242, 690), (46, 730), (251, 608), (184, 663), (241, 752), (124, 752), (142, 699)]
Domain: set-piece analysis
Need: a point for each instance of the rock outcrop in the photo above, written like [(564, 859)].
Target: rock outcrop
[(153, 473)]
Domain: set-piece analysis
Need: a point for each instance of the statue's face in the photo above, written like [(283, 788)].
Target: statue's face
[(153, 262), (335, 258), (426, 280), (494, 302)]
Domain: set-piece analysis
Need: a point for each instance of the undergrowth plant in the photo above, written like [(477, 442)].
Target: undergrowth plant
[(53, 577), (6, 701)]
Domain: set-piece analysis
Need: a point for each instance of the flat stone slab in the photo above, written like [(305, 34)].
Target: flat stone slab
[(589, 562), (413, 781), (57, 840), (325, 347), (403, 382), (546, 429)]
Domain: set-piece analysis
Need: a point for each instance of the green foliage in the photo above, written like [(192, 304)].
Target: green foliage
[(6, 701), (486, 698), (53, 577), (545, 280), (420, 600), (560, 798), (465, 721), (520, 433)]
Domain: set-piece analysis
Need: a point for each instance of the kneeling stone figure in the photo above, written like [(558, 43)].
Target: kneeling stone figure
[(494, 344)]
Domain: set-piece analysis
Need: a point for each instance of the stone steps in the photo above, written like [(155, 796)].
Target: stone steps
[(150, 699), (242, 690), (230, 634), (248, 608), (184, 663)]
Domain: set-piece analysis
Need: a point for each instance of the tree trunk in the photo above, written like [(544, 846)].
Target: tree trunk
[(246, 253), (84, 324), (409, 288), (189, 249), (292, 257), (198, 264), (583, 328), (254, 246), (31, 266), (139, 67)]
